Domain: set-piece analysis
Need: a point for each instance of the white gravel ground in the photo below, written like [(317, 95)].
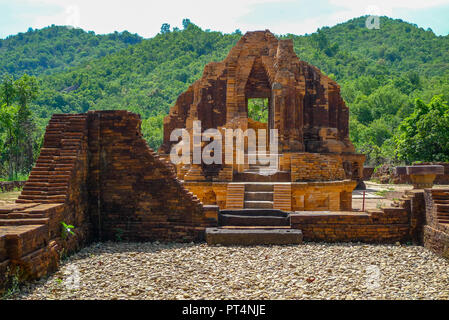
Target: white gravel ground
[(198, 271)]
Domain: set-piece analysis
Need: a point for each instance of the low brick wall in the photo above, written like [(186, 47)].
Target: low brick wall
[(384, 226), (436, 241), (436, 233)]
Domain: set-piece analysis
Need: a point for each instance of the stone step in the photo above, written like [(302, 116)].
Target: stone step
[(251, 176), (258, 204), (262, 171), (262, 187), (259, 196), (252, 217), (259, 166), (234, 220), (252, 236), (441, 201), (256, 212), (255, 227), (21, 222), (442, 207)]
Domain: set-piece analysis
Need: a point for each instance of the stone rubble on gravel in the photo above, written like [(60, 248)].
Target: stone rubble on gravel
[(198, 271)]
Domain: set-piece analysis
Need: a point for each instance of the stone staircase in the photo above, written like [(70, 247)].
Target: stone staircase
[(49, 180), (256, 224), (259, 196), (441, 200), (253, 227), (260, 172), (253, 215)]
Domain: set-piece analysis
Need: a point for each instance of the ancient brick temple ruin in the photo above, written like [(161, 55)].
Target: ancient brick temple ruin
[(97, 173), (318, 165)]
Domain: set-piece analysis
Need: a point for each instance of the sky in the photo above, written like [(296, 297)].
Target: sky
[(145, 17)]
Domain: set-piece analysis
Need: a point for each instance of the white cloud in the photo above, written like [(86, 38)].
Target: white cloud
[(146, 17)]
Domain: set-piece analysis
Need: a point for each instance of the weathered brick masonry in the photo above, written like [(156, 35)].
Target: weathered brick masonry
[(131, 190), (436, 230), (96, 172), (386, 225), (56, 191)]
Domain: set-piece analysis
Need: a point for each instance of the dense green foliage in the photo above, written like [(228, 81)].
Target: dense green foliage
[(381, 73), (18, 140), (56, 48), (258, 109), (424, 135)]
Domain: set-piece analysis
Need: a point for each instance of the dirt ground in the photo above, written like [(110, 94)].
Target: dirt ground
[(8, 197), (381, 195)]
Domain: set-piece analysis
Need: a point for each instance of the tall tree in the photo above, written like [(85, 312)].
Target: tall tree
[(165, 28), (424, 136), (17, 124)]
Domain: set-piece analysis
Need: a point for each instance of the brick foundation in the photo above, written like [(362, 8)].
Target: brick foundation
[(387, 225)]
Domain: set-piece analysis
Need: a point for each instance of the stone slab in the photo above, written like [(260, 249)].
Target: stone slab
[(246, 237)]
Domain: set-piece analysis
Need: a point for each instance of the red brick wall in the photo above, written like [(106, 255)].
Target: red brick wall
[(132, 190), (387, 225), (436, 234)]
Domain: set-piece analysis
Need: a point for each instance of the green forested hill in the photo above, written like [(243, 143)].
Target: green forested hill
[(57, 48), (381, 73)]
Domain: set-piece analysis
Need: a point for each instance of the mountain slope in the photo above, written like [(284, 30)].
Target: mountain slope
[(350, 49), (57, 48), (381, 72)]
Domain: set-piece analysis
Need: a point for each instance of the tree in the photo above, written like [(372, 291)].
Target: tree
[(165, 28), (185, 23), (424, 135), (7, 89), (26, 90), (258, 109), (8, 114), (17, 124)]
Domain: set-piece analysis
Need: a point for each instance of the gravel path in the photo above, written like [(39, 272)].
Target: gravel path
[(198, 271)]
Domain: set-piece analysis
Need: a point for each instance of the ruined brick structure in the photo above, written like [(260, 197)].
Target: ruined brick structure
[(304, 105), (96, 172), (436, 229)]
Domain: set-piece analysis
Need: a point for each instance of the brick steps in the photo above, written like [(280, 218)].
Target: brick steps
[(259, 196), (22, 222), (282, 197), (50, 178), (235, 196), (441, 200), (259, 204)]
